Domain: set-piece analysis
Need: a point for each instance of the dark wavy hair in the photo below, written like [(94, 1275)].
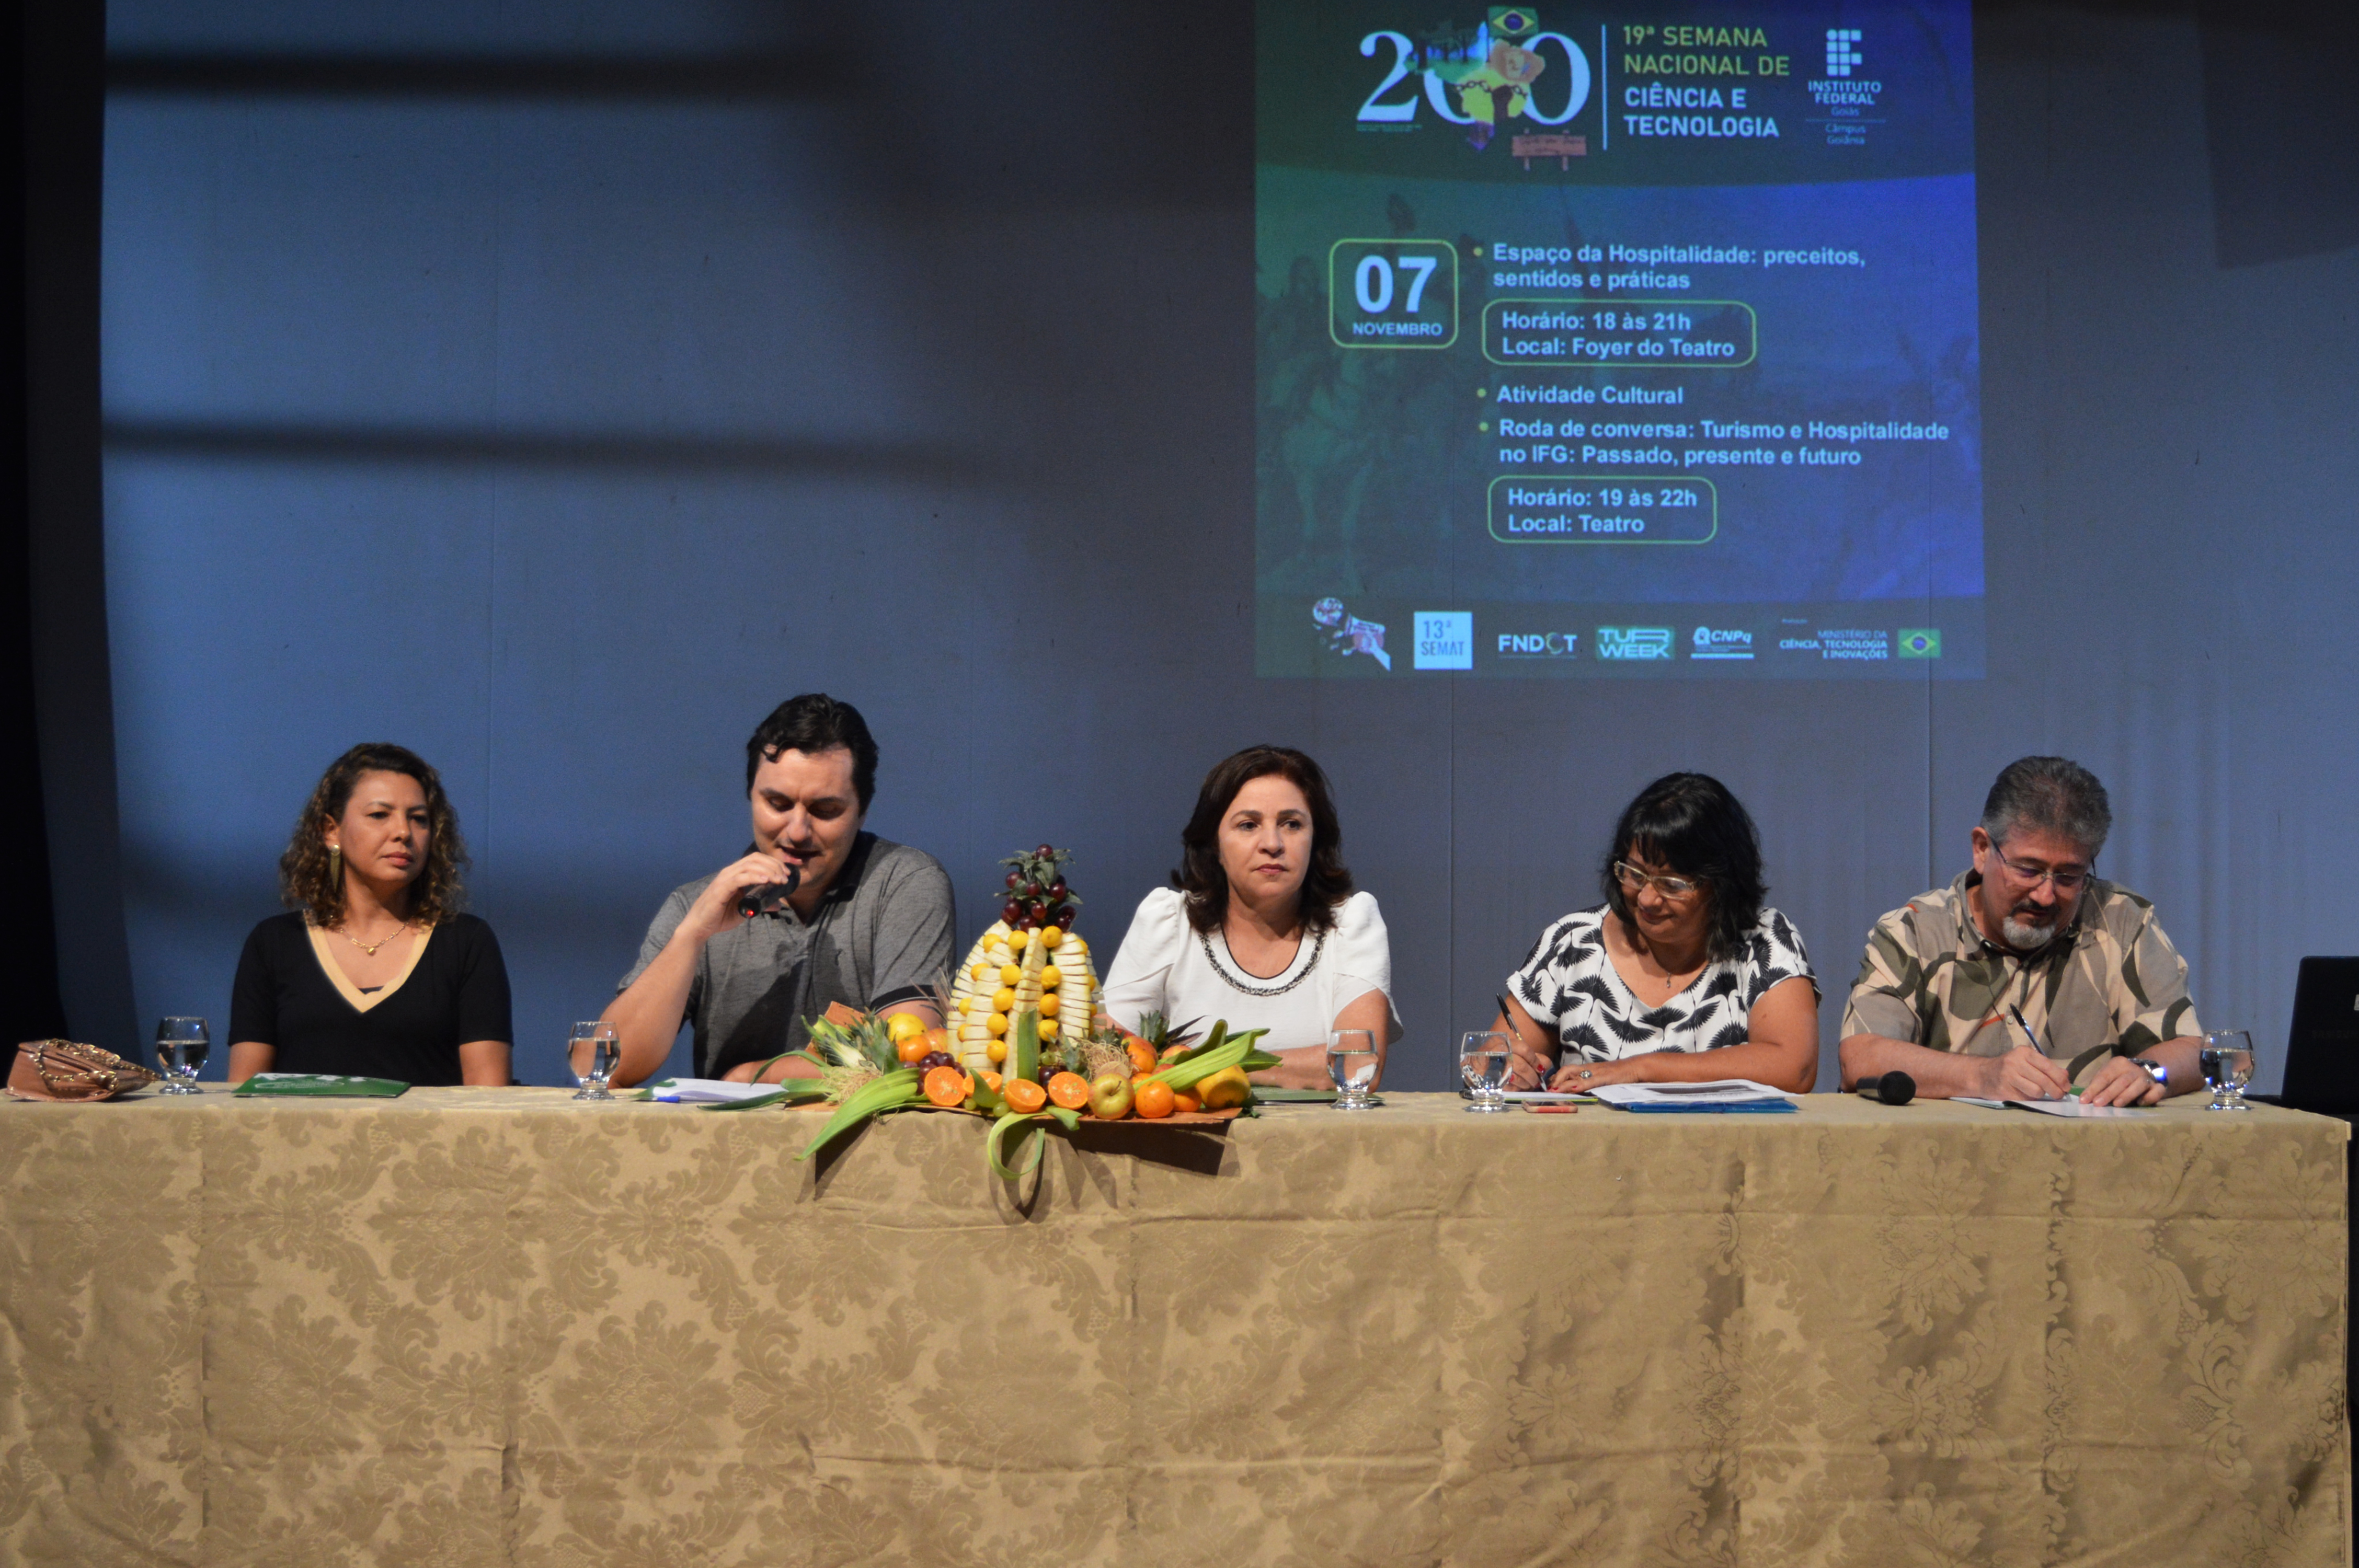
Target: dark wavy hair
[(303, 880), (1325, 885), (813, 723), (1690, 823)]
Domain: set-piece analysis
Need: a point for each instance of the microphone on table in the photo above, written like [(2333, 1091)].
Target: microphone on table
[(765, 896), (1890, 1089)]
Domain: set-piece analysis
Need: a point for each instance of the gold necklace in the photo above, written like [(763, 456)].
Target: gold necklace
[(381, 941)]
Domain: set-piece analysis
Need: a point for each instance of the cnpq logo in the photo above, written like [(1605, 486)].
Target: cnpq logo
[(1503, 69)]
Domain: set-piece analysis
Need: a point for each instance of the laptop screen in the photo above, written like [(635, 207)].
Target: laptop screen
[(2321, 1067)]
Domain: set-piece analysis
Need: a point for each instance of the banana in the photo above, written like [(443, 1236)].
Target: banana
[(1015, 968)]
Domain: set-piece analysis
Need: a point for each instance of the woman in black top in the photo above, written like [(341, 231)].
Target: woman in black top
[(376, 974)]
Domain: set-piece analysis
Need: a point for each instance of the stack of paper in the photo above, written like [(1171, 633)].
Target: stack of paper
[(705, 1091), (1719, 1094), (2067, 1107)]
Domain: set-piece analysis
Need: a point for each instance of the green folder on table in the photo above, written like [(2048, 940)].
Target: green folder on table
[(322, 1085)]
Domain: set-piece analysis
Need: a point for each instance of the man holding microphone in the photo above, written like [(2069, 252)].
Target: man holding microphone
[(836, 913)]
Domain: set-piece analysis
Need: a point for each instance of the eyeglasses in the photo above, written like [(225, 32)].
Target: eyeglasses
[(2067, 881), (1632, 878)]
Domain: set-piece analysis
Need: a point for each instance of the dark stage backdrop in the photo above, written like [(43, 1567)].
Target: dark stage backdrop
[(553, 391)]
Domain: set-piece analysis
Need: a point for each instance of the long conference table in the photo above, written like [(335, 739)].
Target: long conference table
[(498, 1326)]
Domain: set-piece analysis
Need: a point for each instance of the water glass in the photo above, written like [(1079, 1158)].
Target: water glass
[(593, 1049), (181, 1046), (2228, 1067), (1352, 1062), (1483, 1058)]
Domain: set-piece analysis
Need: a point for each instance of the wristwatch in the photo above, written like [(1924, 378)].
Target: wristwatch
[(2155, 1070)]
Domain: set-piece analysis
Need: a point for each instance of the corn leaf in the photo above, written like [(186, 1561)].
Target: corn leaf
[(1198, 1065), (886, 1091), (1213, 1042), (985, 1098), (1023, 1045), (995, 1148), (805, 1054)]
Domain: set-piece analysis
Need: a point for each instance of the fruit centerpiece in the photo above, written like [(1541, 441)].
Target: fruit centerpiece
[(1030, 960), (1022, 1044)]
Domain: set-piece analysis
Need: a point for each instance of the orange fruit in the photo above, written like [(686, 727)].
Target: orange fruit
[(911, 1048), (992, 1080), (1186, 1102), (1068, 1089), (1025, 1096), (1171, 1053), (1154, 1100), (946, 1086), (1142, 1056)]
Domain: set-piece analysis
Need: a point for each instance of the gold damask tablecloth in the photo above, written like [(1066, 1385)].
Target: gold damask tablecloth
[(488, 1326)]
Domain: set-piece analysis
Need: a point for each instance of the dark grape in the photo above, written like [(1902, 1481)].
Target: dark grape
[(1046, 850), (1031, 922), (1011, 912), (1015, 879), (1062, 916), (933, 1059)]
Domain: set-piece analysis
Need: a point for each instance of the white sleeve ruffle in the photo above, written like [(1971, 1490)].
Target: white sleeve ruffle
[(1137, 982), (1359, 958)]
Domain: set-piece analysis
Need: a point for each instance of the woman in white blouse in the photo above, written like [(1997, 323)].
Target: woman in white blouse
[(1683, 974), (1260, 927)]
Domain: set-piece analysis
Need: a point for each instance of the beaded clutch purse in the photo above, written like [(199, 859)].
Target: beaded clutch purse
[(63, 1070)]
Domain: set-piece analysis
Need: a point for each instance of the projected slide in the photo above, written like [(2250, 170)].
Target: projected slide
[(1616, 343)]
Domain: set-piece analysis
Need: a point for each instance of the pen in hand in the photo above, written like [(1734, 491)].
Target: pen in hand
[(2015, 1012)]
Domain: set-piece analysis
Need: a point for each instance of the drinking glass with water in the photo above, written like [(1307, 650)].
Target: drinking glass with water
[(2228, 1067), (181, 1046), (594, 1049), (1482, 1058), (1351, 1063)]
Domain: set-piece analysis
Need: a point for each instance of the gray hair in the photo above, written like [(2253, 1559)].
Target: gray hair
[(2052, 795)]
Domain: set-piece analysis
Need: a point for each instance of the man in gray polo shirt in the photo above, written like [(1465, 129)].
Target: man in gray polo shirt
[(870, 924)]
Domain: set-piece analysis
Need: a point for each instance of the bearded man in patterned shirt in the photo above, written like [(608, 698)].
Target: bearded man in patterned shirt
[(2028, 974)]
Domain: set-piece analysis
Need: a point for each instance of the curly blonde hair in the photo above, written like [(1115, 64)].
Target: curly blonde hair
[(303, 880)]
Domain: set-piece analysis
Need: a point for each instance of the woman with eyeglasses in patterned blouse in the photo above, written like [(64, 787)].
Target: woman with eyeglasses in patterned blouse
[(1682, 975)]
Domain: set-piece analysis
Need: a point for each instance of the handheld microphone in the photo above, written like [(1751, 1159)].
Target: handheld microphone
[(769, 896), (1889, 1089)]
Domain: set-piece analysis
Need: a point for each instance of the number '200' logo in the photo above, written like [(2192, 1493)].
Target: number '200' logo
[(1436, 91)]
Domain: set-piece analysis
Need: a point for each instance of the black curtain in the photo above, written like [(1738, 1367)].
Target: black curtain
[(55, 693), (28, 962)]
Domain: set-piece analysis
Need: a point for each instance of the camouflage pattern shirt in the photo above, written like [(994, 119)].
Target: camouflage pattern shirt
[(2109, 984)]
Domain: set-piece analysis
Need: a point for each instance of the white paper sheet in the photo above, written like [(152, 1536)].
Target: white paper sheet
[(2069, 1106), (706, 1091), (1723, 1091)]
